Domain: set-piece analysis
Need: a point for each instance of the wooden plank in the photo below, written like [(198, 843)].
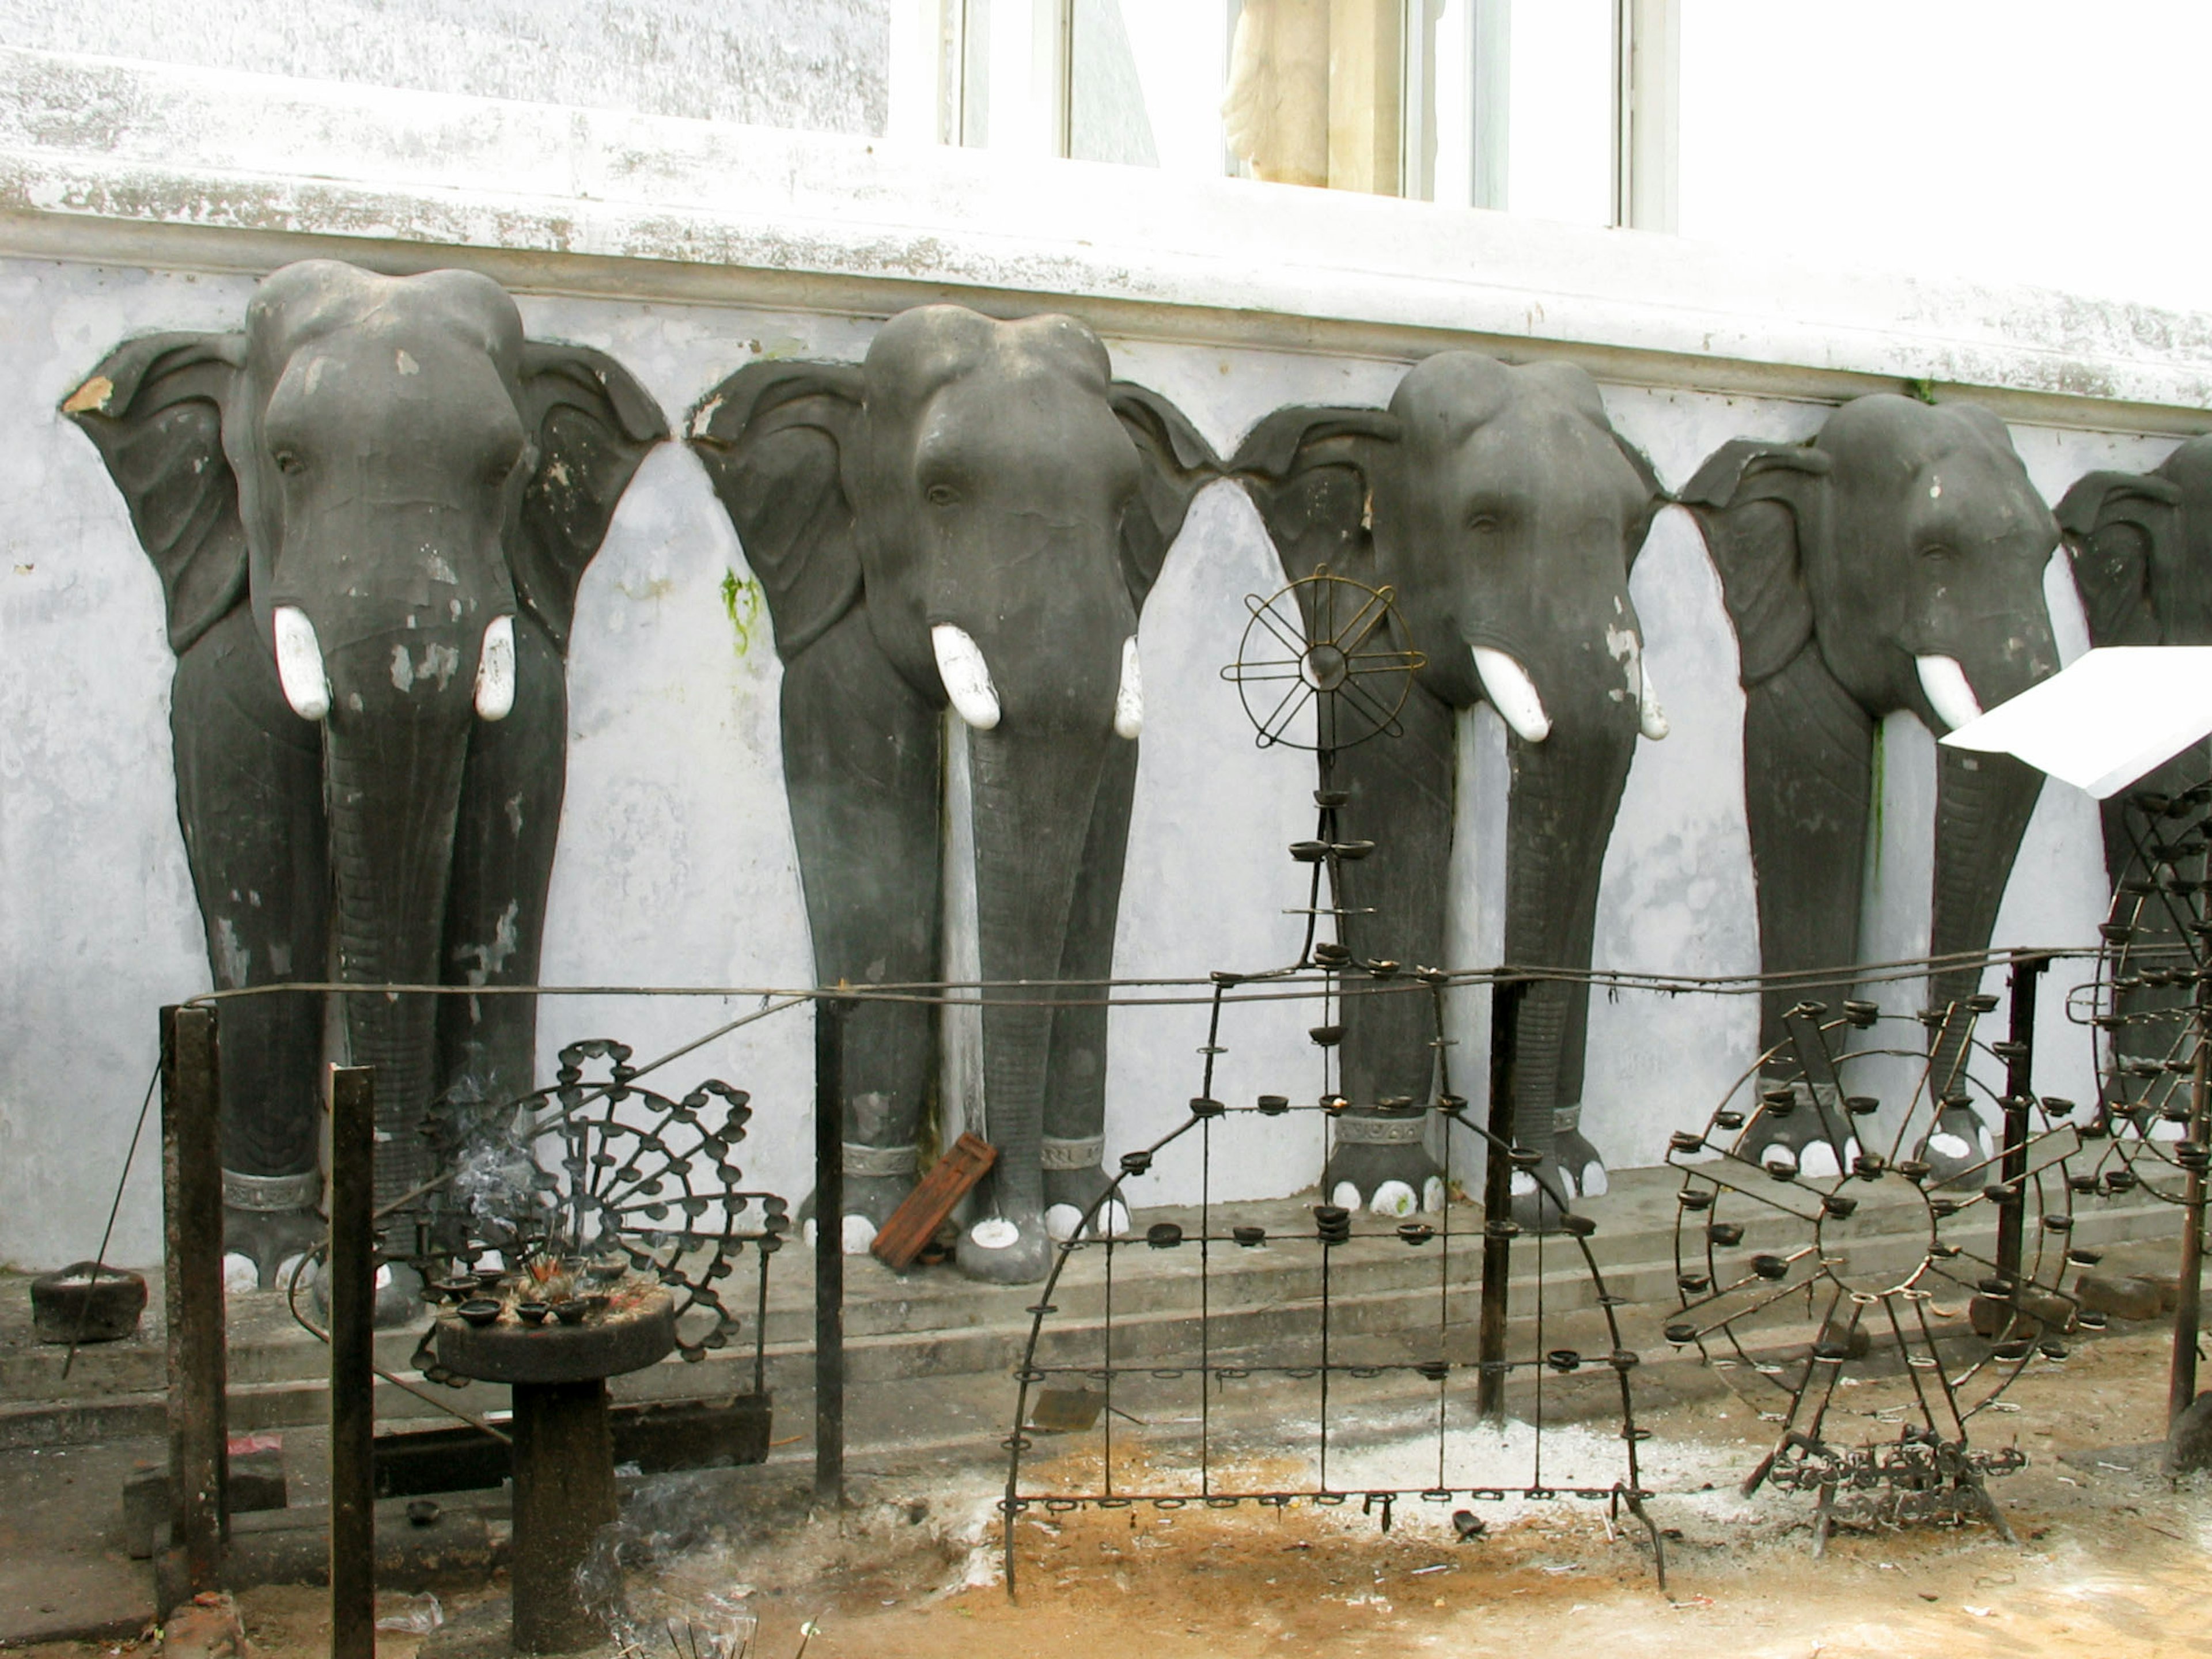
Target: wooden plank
[(951, 1179)]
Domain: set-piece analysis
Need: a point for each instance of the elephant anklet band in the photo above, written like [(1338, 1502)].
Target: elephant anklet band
[(1379, 1131), (269, 1195), (1071, 1154), (1567, 1119), (878, 1160)]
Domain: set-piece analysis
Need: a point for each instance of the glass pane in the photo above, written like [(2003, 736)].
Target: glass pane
[(1107, 120), (1313, 93)]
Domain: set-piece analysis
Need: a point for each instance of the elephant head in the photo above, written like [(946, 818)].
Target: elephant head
[(1896, 562), (969, 518), (2140, 546), (1504, 513), (369, 509)]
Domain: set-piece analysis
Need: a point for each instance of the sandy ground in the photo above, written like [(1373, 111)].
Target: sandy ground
[(2111, 1562)]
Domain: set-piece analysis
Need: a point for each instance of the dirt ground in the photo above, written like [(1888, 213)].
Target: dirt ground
[(2111, 1562)]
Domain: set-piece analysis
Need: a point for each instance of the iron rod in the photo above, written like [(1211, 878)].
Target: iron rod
[(2019, 1083), (1506, 998), (191, 1185), (830, 1250), (352, 1269), (2181, 1386)]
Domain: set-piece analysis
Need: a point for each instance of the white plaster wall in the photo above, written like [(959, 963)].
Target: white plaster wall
[(815, 64), (677, 868)]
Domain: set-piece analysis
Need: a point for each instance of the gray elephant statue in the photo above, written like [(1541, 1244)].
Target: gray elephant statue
[(369, 509), (1896, 562), (971, 516), (1504, 513), (2140, 546)]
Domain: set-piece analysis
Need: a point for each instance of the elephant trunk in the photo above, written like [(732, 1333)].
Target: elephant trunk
[(1033, 806), (1565, 792), (1982, 804), (394, 784)]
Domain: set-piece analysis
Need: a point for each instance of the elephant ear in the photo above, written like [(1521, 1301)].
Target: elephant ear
[(1760, 505), (772, 438), (593, 425), (154, 409), (1656, 496), (1311, 471), (1177, 463), (2116, 525)]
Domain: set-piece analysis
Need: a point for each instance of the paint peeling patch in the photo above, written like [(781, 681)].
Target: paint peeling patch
[(92, 395), (407, 364), (702, 417), (442, 572), (741, 602), (439, 663), (403, 670), (514, 812), (485, 960), (233, 960), (280, 960)]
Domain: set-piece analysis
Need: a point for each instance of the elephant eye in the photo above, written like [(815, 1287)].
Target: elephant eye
[(288, 460), (940, 494), (1936, 550), (1484, 524)]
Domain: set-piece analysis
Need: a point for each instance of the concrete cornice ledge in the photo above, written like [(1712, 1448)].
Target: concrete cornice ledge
[(117, 161)]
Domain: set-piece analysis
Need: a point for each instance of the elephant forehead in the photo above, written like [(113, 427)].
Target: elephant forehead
[(318, 299), (919, 351)]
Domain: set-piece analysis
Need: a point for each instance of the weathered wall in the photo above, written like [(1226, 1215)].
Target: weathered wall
[(135, 199), (812, 63), (675, 866)]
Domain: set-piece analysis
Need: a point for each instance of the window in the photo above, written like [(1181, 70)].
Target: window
[(1563, 109)]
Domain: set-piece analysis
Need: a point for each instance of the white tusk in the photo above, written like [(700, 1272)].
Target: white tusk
[(495, 670), (1129, 696), (967, 677), (1949, 694), (299, 664), (1513, 693), (1650, 715)]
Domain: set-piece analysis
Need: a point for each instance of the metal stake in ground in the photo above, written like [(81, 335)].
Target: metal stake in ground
[(352, 1269), (1498, 1228), (2018, 1051), (829, 1249), (192, 1186), (2181, 1388)]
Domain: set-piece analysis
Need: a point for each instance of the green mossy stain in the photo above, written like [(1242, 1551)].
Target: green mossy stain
[(1923, 390), (741, 602)]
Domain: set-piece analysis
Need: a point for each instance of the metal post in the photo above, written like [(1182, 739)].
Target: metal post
[(1506, 1000), (2019, 1097), (352, 1269), (2181, 1386), (829, 1249), (192, 1188)]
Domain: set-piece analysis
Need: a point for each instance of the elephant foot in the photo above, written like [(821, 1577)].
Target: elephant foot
[(1534, 1209), (398, 1295), (877, 1180), (1956, 1146), (1379, 1163), (1068, 1197), (1807, 1132), (1006, 1249), (269, 1222), (1578, 1161)]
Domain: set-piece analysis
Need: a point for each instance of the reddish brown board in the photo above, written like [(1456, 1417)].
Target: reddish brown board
[(951, 1179)]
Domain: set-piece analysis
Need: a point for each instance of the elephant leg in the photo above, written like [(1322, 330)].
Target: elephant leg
[(863, 763), (1074, 1143), (1808, 758), (250, 799), (1402, 791), (1982, 804), (504, 842), (1566, 792)]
